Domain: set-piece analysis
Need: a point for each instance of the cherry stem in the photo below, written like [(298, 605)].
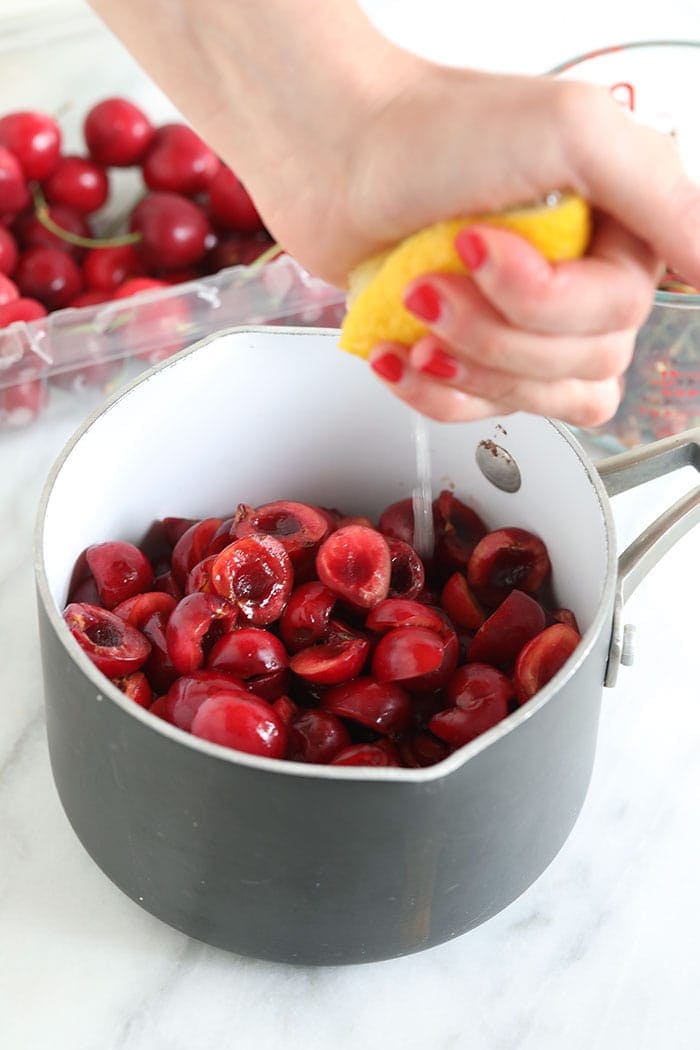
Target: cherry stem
[(41, 209), (265, 256)]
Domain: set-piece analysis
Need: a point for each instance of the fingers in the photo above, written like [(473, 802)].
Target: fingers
[(478, 335), (487, 393), (610, 289)]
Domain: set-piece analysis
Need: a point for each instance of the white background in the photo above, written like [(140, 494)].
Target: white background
[(601, 954)]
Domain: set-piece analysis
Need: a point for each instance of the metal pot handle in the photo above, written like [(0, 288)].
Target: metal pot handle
[(626, 471)]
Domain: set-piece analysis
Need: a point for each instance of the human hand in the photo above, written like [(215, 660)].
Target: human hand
[(349, 144), (521, 333)]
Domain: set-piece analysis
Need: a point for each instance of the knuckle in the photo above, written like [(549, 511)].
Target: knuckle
[(613, 358), (578, 106), (631, 310), (599, 408)]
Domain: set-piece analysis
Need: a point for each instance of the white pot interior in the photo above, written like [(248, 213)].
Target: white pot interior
[(258, 415)]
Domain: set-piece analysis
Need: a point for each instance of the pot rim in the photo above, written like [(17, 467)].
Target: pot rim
[(108, 691)]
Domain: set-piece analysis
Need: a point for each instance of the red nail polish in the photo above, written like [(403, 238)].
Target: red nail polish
[(441, 365), (388, 366), (424, 302), (471, 248)]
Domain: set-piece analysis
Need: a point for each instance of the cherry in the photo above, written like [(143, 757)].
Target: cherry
[(49, 275), (243, 722), (33, 234), (355, 563), (438, 678), (222, 537), (156, 546), (230, 205), (421, 750), (159, 667), (382, 706), (185, 696), (286, 709), (106, 269), (22, 402), (136, 687), (155, 330), (458, 529), (199, 578), (306, 616), (542, 658), (20, 310), (8, 248), (173, 231), (336, 660), (139, 608), (136, 285), (14, 195), (406, 652), (117, 133), (362, 755), (237, 249), (457, 726), (114, 646), (269, 686), (477, 684), (120, 570), (175, 528), (177, 160), (567, 617), (166, 582), (316, 736), (191, 546), (89, 298), (77, 183), (501, 637), (506, 559), (35, 140), (190, 625), (396, 521), (403, 612), (254, 573), (248, 653), (407, 571), (8, 290), (298, 527), (460, 604), (156, 707)]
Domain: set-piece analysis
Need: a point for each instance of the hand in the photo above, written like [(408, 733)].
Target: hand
[(348, 144)]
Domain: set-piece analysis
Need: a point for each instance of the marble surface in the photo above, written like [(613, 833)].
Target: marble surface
[(600, 953)]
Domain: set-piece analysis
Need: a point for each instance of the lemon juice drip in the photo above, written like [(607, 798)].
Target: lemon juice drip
[(423, 532)]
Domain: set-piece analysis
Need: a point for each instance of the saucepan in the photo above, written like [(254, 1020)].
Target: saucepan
[(328, 864)]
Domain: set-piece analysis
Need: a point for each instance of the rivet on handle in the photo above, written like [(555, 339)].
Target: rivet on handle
[(498, 466)]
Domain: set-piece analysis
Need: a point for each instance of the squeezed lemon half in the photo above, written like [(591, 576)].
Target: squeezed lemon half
[(559, 228)]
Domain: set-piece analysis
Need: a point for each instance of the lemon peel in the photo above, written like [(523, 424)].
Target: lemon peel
[(559, 228)]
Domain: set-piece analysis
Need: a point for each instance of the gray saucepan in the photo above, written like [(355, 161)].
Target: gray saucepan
[(323, 864)]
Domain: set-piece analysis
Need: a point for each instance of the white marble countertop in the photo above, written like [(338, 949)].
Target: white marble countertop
[(600, 953)]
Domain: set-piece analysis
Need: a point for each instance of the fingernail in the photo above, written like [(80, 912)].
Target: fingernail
[(441, 365), (471, 248), (423, 301), (389, 366)]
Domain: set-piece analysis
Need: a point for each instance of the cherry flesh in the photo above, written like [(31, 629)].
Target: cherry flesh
[(507, 559), (355, 563), (114, 646)]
